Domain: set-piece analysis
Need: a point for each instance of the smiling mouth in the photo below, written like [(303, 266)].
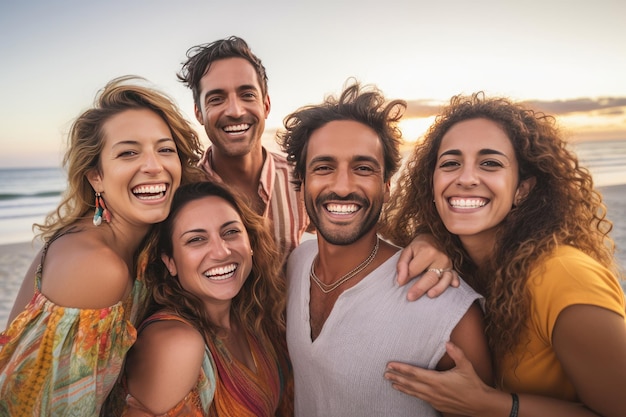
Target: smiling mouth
[(236, 129), (150, 192), (341, 209), (221, 273), (467, 203)]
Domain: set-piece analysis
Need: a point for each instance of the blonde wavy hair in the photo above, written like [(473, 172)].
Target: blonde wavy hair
[(259, 306), (562, 208), (86, 141)]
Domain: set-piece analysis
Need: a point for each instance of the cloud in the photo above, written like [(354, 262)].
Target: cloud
[(422, 108), (607, 105)]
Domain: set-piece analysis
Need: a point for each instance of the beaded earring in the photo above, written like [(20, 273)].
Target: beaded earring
[(101, 211)]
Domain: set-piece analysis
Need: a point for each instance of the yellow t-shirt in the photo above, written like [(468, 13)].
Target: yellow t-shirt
[(566, 278)]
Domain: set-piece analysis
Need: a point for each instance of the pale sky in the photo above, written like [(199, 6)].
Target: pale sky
[(56, 55)]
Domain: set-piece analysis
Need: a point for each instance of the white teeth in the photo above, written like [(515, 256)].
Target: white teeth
[(221, 273), (150, 189), (467, 202), (342, 208), (237, 128)]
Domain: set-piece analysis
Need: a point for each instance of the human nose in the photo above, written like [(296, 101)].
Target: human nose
[(152, 163), (343, 184), (467, 176), (234, 108), (219, 248)]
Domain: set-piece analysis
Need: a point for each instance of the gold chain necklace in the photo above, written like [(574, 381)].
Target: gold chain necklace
[(326, 288)]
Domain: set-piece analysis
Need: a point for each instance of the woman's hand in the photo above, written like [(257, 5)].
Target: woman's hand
[(422, 256), (456, 391)]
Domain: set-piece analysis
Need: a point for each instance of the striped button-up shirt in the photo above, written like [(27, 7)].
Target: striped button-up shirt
[(284, 206)]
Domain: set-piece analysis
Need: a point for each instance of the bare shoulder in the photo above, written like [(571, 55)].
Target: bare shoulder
[(81, 271), (164, 364)]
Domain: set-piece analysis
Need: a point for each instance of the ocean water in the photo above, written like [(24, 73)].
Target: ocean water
[(605, 159), (28, 194)]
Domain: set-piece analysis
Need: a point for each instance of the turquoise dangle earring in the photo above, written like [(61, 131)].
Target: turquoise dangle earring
[(101, 211), (97, 217)]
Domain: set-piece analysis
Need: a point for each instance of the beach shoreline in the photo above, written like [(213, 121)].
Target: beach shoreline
[(15, 258)]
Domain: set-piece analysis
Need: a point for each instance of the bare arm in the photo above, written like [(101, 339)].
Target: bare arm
[(417, 258), (590, 343), (27, 290), (163, 366), (469, 336)]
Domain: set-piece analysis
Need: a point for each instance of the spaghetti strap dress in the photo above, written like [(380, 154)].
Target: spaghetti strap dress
[(58, 361)]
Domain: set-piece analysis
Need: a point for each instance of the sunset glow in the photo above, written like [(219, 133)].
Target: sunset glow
[(423, 53)]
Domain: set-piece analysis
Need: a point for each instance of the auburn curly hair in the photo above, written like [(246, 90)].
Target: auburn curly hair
[(562, 208)]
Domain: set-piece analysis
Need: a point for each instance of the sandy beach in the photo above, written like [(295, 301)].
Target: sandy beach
[(16, 258), (14, 262)]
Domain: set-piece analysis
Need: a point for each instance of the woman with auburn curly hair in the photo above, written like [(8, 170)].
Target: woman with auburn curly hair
[(74, 317), (214, 340), (495, 183)]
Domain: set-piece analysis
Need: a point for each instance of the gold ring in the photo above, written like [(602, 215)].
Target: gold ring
[(437, 271)]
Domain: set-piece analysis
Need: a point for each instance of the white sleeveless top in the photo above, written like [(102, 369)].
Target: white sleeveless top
[(372, 323)]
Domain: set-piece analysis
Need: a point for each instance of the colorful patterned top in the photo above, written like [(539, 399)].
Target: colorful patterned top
[(57, 361), (238, 391)]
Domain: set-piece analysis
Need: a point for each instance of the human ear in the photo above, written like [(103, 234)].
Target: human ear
[(198, 113), (523, 189), (267, 105), (95, 179), (169, 264), (387, 191)]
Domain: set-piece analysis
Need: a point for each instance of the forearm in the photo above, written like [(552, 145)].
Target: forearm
[(535, 406), (499, 404)]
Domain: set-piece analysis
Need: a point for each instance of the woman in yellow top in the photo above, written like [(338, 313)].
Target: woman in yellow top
[(494, 182), (79, 301)]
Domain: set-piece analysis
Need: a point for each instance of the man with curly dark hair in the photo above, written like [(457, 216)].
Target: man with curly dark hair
[(346, 316)]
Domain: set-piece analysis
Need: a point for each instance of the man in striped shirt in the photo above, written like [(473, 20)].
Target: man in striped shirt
[(229, 86)]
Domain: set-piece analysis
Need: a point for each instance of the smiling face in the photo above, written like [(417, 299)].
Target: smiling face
[(476, 181), (139, 168), (211, 253), (344, 186), (232, 107)]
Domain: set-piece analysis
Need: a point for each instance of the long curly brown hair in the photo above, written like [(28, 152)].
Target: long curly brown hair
[(259, 306), (562, 208)]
